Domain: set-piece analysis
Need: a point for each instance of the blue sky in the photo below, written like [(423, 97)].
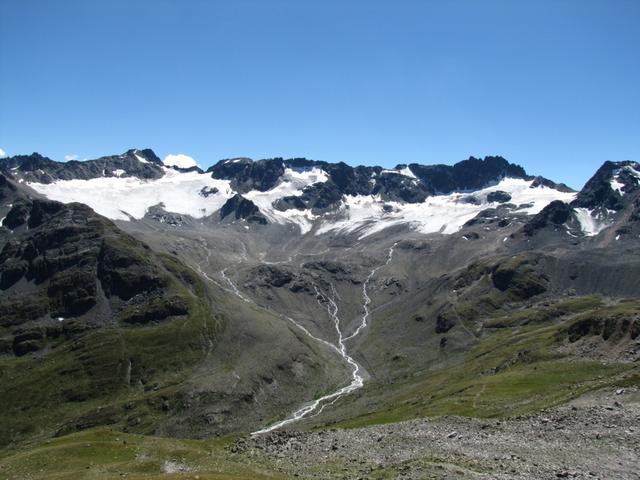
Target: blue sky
[(551, 85)]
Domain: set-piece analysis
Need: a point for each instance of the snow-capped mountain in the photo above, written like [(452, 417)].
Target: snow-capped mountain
[(318, 197), (262, 294)]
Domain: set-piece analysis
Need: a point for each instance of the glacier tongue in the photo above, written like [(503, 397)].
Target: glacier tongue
[(447, 214)]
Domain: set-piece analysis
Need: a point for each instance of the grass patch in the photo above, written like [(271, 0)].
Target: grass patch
[(107, 454), (512, 371)]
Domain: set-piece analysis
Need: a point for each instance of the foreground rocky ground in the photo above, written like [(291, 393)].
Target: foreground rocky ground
[(596, 436)]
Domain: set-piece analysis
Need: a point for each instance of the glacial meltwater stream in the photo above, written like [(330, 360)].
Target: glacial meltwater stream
[(357, 380)]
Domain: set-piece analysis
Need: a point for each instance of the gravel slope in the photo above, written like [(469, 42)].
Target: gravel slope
[(594, 437)]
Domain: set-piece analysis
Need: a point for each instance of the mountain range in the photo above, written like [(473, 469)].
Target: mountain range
[(295, 294)]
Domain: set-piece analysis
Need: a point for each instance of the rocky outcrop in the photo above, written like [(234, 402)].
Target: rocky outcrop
[(143, 164), (65, 261), (392, 185), (555, 214), (247, 175), (498, 196), (598, 191), (470, 174), (518, 278), (240, 208)]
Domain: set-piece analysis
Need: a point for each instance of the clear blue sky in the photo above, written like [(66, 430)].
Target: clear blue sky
[(551, 85)]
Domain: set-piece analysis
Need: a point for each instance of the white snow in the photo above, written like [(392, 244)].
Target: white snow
[(119, 197), (589, 223), (406, 171), (118, 172), (179, 160), (617, 185), (141, 159), (441, 213), (292, 182)]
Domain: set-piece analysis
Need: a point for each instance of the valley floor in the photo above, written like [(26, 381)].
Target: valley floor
[(596, 436)]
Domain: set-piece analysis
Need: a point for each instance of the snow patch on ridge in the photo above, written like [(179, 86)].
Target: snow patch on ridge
[(406, 172), (615, 182), (179, 160), (140, 158)]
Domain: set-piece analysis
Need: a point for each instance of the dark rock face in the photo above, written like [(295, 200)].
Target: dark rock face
[(152, 308), (545, 182), (247, 175), (208, 191), (498, 196), (288, 203), (241, 208), (554, 214), (471, 174), (320, 195), (597, 192), (36, 168), (63, 261), (400, 188), (6, 187)]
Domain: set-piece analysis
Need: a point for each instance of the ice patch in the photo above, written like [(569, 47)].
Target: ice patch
[(590, 225)]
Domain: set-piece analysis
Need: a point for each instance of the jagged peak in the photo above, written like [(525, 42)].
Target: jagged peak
[(146, 153), (600, 191)]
